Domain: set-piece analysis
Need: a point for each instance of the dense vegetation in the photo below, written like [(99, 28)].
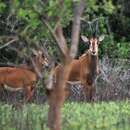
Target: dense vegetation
[(24, 19), (76, 116)]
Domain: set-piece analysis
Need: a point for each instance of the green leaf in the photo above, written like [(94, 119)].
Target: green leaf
[(2, 7)]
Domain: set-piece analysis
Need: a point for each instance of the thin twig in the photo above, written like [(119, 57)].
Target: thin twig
[(8, 43)]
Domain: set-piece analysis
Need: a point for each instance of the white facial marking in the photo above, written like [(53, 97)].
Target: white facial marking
[(46, 62), (93, 46)]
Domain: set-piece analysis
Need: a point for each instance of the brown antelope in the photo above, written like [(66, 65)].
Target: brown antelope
[(23, 77), (83, 70)]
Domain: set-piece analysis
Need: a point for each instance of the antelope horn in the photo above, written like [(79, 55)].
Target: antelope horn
[(96, 27), (90, 27)]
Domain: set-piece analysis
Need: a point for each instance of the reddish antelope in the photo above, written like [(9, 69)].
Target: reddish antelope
[(83, 70), (23, 77)]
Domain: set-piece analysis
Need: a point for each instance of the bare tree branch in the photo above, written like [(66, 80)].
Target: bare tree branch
[(8, 43), (61, 41), (78, 10), (58, 36), (7, 37)]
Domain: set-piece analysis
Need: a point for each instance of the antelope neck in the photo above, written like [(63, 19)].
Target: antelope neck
[(92, 66), (35, 68)]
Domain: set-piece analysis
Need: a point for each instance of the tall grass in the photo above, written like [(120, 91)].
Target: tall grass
[(75, 116)]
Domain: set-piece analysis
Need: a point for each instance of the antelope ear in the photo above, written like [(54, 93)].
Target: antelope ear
[(101, 38), (84, 38)]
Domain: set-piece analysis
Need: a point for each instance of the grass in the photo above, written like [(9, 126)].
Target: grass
[(76, 116)]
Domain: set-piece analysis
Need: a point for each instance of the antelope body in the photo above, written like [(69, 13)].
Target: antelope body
[(83, 70), (23, 77)]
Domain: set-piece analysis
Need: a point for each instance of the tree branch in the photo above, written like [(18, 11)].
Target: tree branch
[(78, 10), (57, 35), (61, 41), (8, 43)]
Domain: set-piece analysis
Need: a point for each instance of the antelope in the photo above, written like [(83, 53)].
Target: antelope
[(82, 70), (23, 77)]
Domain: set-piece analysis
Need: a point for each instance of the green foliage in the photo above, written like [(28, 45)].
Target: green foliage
[(99, 8), (65, 13), (123, 49), (76, 116), (91, 7), (108, 7), (30, 16), (2, 7), (23, 17), (114, 49)]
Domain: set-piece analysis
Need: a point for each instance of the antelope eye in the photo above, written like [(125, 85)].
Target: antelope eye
[(43, 56)]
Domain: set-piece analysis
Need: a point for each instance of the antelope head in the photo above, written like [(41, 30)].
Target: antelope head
[(93, 43), (40, 59)]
